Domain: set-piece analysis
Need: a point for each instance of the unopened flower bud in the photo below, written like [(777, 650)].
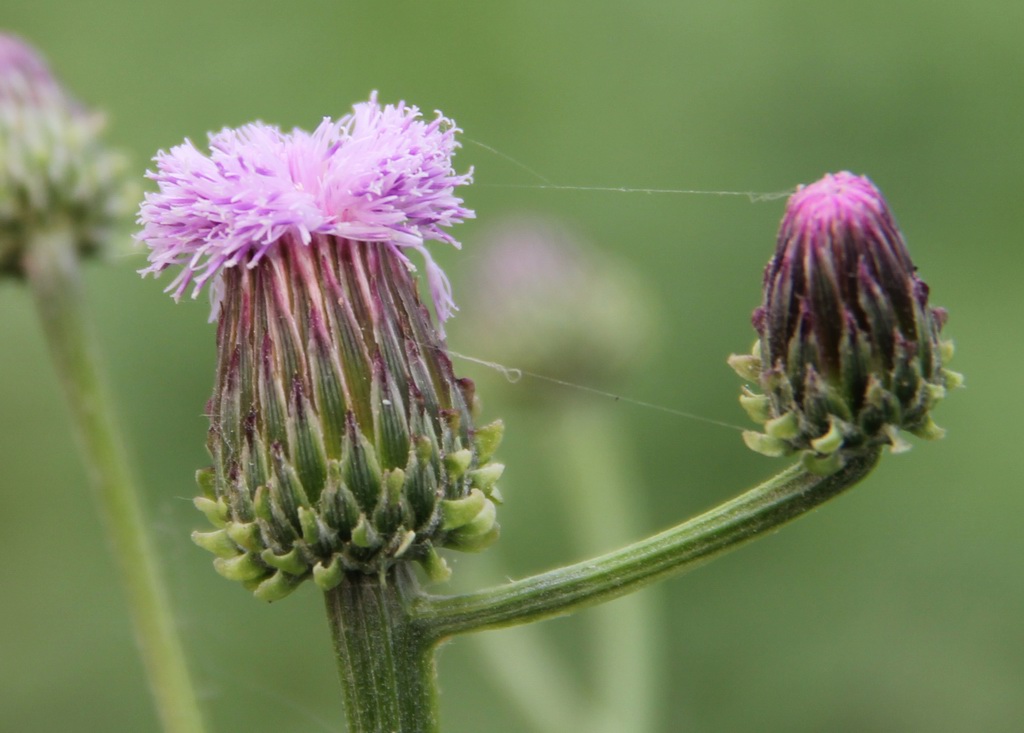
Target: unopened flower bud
[(849, 350), (342, 441), (54, 168)]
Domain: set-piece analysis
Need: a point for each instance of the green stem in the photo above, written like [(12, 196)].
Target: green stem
[(385, 664), (778, 500), (52, 268)]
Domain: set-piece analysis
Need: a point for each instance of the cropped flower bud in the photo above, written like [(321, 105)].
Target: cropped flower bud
[(341, 439), (849, 350), (54, 169), (548, 302)]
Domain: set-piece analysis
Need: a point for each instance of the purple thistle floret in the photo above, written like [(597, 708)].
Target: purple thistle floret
[(379, 174)]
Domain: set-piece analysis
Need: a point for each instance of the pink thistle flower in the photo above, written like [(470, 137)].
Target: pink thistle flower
[(379, 174), (342, 440)]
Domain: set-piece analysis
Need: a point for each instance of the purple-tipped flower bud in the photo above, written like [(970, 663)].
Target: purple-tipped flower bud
[(54, 169), (342, 440), (849, 350)]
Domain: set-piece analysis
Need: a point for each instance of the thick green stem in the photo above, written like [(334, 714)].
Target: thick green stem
[(386, 666), (52, 268), (791, 493)]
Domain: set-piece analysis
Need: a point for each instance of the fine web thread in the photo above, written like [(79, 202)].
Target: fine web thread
[(510, 159), (753, 196), (514, 375), (548, 185)]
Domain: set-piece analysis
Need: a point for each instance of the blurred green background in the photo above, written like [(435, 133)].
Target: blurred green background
[(899, 607)]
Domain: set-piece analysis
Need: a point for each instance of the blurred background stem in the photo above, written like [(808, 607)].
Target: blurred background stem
[(588, 464), (593, 467), (53, 272)]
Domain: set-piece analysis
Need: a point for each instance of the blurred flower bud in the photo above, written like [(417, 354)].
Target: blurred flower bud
[(342, 440), (54, 169), (547, 302), (849, 350)]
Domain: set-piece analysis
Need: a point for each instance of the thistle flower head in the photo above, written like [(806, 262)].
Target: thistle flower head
[(379, 174), (54, 169), (342, 441), (849, 349)]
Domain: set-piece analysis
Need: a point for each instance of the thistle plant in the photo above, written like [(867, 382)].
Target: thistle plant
[(344, 448), (63, 194), (344, 445)]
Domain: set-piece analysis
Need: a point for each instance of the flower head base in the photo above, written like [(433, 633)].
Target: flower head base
[(849, 350), (342, 442), (380, 174), (54, 170)]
